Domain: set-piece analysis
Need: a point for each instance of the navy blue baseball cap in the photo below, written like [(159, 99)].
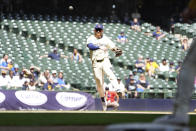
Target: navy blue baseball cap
[(99, 26)]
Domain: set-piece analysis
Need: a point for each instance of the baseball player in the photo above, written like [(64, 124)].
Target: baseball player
[(99, 46)]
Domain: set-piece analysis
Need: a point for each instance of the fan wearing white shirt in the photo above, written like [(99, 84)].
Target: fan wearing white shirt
[(120, 89), (19, 80), (164, 66), (4, 79)]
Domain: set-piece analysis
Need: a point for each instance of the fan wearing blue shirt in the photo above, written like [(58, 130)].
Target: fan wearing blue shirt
[(54, 55), (141, 84), (135, 25), (122, 38), (61, 83), (158, 34), (4, 63)]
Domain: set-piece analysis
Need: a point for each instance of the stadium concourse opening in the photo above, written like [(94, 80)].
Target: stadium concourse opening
[(119, 8), (45, 64)]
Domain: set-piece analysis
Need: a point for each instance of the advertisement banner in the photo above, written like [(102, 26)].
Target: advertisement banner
[(45, 100)]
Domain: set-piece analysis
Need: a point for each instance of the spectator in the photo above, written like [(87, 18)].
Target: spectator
[(135, 25), (184, 43), (141, 84), (9, 64), (164, 66), (3, 63), (111, 87), (32, 84), (135, 75), (126, 18), (19, 80), (113, 16), (171, 67), (35, 71), (11, 82), (131, 88), (140, 64), (15, 69), (158, 34), (171, 24), (178, 67), (54, 77), (54, 55), (4, 79), (164, 69), (25, 86), (76, 56), (44, 77), (122, 38), (26, 73), (112, 98), (132, 75), (152, 67), (49, 85), (61, 83), (127, 81), (121, 90), (147, 60)]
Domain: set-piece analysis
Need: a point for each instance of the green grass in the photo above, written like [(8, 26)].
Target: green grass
[(44, 119)]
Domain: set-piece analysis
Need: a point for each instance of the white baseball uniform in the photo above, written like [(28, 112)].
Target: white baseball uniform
[(101, 63)]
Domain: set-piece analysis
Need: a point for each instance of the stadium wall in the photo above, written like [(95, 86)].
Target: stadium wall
[(52, 100)]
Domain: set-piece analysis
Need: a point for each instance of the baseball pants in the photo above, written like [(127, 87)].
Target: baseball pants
[(99, 69)]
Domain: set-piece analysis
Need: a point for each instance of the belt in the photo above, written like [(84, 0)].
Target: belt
[(100, 60)]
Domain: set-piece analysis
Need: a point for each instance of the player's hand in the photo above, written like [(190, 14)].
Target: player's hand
[(103, 48), (118, 52)]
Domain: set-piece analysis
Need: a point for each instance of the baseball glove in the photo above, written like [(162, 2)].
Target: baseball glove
[(118, 52)]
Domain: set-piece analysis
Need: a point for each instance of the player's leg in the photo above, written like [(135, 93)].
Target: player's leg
[(98, 75), (108, 71)]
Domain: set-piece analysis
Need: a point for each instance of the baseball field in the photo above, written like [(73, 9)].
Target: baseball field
[(79, 118)]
